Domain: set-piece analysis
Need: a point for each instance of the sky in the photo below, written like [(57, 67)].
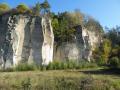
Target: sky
[(107, 12)]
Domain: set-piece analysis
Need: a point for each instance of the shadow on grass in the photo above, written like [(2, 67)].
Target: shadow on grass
[(103, 71)]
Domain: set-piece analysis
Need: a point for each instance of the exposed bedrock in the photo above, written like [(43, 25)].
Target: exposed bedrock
[(80, 48), (30, 39), (26, 39)]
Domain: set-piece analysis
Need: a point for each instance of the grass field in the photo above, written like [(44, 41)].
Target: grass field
[(94, 79)]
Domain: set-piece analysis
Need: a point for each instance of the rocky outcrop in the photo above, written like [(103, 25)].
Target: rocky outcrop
[(80, 48), (30, 39), (48, 44), (26, 39)]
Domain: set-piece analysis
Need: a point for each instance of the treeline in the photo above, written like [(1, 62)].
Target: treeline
[(109, 51), (63, 23), (113, 36), (38, 9)]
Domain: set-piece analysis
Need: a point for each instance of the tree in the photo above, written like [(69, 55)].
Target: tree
[(45, 6), (115, 51), (102, 53), (114, 35), (37, 9), (55, 24), (4, 8), (22, 8), (63, 30), (93, 25), (75, 18), (106, 49), (114, 62)]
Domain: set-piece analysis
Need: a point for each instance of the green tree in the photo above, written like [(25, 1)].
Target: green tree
[(37, 9), (45, 6), (93, 25), (113, 35), (115, 51), (75, 18), (106, 49), (22, 8), (102, 53), (4, 8), (63, 31), (55, 24), (114, 62)]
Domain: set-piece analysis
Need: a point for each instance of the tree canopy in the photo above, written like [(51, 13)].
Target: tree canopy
[(22, 8), (93, 25), (4, 8), (37, 9), (45, 6)]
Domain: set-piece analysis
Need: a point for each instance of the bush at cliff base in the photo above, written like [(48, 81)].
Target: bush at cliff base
[(114, 62)]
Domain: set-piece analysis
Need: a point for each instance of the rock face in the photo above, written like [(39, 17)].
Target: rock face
[(30, 39), (26, 39), (80, 48), (48, 44)]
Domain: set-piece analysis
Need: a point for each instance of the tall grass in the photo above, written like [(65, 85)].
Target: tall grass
[(58, 65), (25, 67), (55, 65), (63, 83)]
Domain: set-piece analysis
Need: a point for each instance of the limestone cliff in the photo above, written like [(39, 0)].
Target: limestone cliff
[(30, 39), (80, 48), (48, 44), (26, 39)]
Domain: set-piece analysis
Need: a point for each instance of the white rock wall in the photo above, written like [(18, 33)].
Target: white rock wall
[(28, 40), (18, 35), (81, 48), (48, 43)]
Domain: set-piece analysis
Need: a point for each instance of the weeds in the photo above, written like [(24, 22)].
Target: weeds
[(55, 65), (25, 67), (26, 84)]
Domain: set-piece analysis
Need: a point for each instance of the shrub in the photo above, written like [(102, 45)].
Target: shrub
[(114, 62), (85, 64), (4, 8), (72, 64), (29, 11), (86, 83), (25, 67), (59, 65), (50, 66), (100, 61), (7, 70), (36, 10), (26, 84), (22, 8), (63, 83)]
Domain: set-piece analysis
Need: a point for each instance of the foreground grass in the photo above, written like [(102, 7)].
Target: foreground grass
[(59, 80)]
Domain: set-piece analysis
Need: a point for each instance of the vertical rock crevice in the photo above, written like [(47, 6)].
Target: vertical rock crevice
[(36, 41)]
